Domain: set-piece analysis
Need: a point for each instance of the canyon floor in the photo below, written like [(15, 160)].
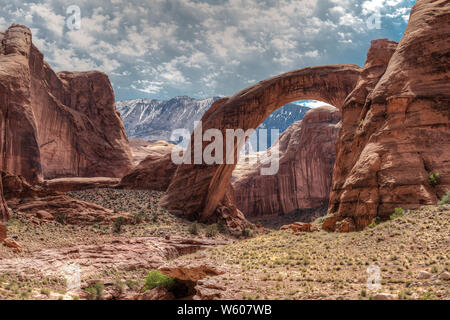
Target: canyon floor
[(412, 252)]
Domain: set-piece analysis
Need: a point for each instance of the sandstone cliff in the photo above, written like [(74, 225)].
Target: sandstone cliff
[(307, 154), (396, 124), (56, 125)]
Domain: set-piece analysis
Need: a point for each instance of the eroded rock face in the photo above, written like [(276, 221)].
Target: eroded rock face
[(56, 125), (155, 171), (42, 203), (76, 184), (396, 124), (307, 154), (197, 190)]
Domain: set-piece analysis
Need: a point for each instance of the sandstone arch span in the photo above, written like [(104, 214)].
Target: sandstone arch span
[(203, 191)]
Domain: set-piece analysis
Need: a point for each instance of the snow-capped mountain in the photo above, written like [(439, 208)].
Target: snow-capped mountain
[(154, 120)]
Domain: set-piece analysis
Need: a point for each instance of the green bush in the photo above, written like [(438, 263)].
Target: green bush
[(434, 178), (375, 222), (247, 232), (139, 217), (445, 199), (398, 212), (96, 291), (61, 218), (222, 227), (194, 228), (117, 224), (212, 230), (157, 279)]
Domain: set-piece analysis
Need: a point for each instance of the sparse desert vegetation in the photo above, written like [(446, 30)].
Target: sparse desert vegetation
[(321, 265)]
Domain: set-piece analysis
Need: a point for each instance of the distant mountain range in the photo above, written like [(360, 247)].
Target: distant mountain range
[(153, 120)]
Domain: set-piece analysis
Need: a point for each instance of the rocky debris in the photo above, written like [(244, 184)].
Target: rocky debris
[(396, 128), (307, 154), (120, 254), (56, 125), (444, 276), (208, 289), (11, 243), (196, 191), (423, 275), (37, 201), (80, 183), (153, 173), (158, 293), (383, 296), (44, 215), (298, 227)]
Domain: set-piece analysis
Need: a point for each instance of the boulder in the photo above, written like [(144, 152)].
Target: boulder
[(298, 227), (11, 243), (158, 293)]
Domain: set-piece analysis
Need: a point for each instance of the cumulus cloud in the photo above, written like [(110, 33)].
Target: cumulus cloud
[(164, 48)]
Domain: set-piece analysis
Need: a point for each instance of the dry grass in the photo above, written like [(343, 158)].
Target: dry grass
[(321, 265)]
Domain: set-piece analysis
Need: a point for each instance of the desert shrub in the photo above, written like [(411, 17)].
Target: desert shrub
[(194, 228), (157, 279), (398, 212), (117, 224), (222, 227), (247, 232), (375, 222), (96, 291), (212, 230), (61, 218), (434, 178), (445, 199), (139, 217)]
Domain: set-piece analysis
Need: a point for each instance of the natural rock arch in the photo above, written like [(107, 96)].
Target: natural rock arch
[(198, 190)]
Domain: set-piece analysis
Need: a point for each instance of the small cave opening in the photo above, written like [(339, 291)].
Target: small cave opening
[(183, 289)]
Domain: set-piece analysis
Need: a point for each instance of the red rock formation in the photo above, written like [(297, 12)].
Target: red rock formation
[(396, 124), (56, 125), (42, 203), (196, 191), (75, 184), (3, 234), (155, 171), (307, 154), (19, 145)]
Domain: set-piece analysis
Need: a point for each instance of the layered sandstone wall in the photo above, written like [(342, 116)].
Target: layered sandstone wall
[(307, 154), (396, 124), (56, 125)]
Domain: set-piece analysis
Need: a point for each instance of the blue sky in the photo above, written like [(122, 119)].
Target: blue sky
[(165, 48)]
